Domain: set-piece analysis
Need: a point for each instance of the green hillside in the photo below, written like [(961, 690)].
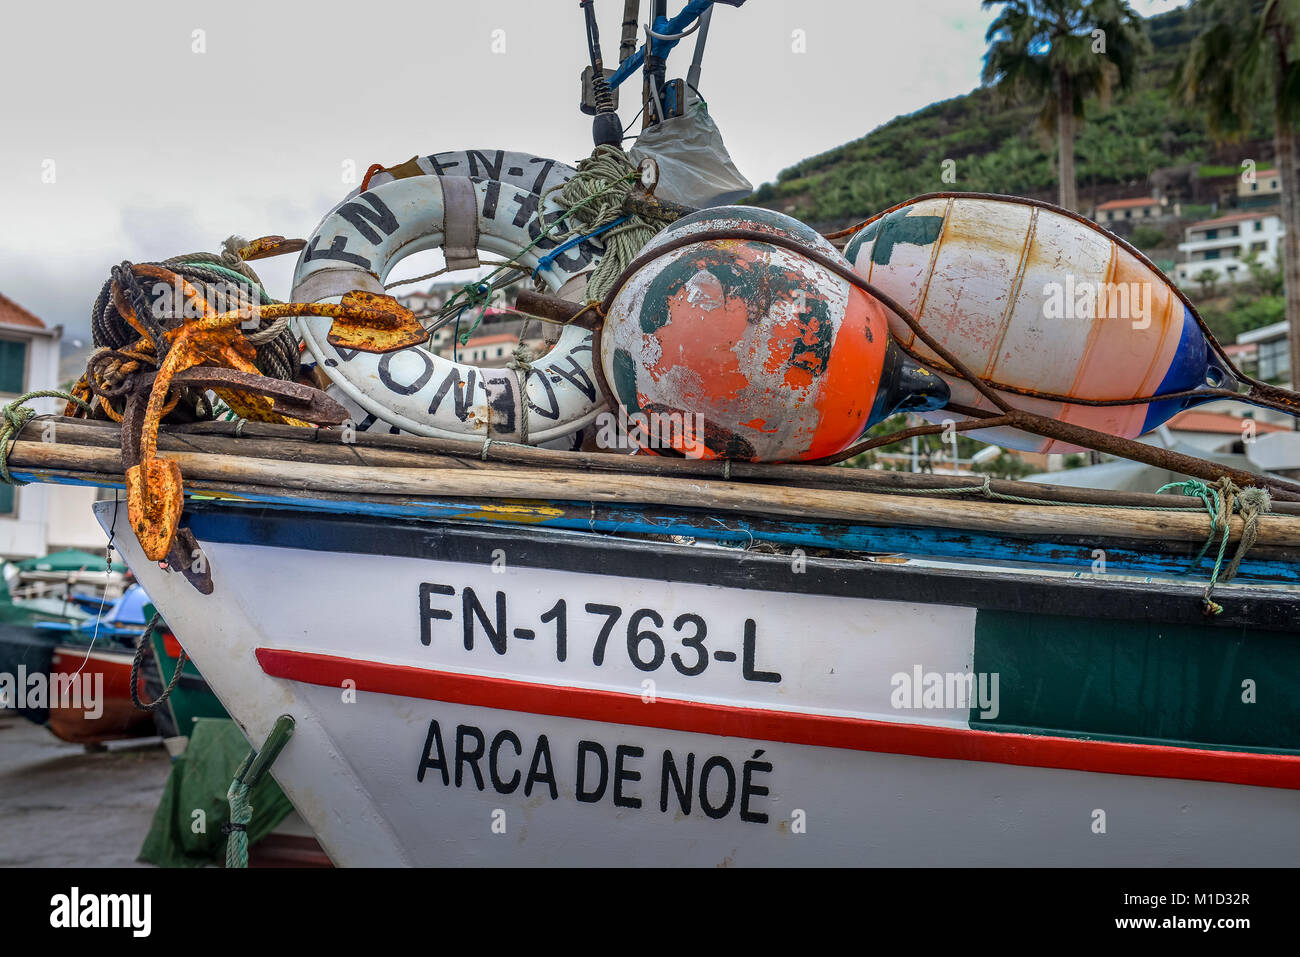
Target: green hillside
[(1000, 148)]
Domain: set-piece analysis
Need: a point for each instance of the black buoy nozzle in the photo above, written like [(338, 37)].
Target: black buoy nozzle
[(906, 386), (607, 128)]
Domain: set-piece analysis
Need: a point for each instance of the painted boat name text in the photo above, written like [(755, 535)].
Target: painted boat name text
[(716, 784)]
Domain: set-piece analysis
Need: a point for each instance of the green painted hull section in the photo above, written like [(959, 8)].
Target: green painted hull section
[(187, 703), (1141, 682)]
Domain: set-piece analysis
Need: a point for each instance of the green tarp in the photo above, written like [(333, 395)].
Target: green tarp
[(69, 560), (199, 780)]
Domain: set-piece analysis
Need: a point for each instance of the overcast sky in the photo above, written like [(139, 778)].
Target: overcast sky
[(159, 150)]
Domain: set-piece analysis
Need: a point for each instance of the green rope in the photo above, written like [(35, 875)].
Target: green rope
[(241, 814), (608, 175), (1221, 499), (986, 491), (235, 275), (16, 415), (246, 778), (227, 260)]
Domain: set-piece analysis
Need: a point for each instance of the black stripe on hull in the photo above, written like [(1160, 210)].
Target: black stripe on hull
[(1157, 602)]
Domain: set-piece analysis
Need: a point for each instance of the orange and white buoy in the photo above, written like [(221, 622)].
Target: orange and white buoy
[(1036, 300), (778, 358)]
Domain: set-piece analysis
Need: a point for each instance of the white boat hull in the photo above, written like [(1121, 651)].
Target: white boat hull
[(787, 746)]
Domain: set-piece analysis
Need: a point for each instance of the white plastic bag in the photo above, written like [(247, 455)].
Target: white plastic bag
[(695, 168)]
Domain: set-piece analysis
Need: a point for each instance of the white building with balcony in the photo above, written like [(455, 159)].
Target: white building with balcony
[(1223, 245), (1272, 358)]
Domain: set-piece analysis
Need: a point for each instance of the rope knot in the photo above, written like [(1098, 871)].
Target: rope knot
[(593, 200), (230, 248), (521, 359), (1221, 499), (1255, 499), (16, 415)]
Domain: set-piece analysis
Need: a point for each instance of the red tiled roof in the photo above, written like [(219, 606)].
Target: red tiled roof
[(1129, 203), (1234, 218), (1194, 420), (15, 315), (490, 340)]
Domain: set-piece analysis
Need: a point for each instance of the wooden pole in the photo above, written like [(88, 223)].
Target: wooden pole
[(576, 486), (292, 443)]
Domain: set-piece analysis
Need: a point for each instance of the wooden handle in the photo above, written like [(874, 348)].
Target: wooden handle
[(554, 308)]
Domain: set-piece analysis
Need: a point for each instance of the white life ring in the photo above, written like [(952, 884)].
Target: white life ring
[(423, 207)]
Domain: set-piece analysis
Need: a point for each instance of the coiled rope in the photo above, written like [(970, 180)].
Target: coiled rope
[(593, 199), (213, 275)]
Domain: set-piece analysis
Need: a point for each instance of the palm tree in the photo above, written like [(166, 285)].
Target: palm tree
[(1251, 55), (1051, 50)]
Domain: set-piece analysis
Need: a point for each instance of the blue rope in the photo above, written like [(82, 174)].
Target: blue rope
[(545, 261)]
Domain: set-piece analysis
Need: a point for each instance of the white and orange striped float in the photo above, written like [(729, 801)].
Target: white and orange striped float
[(1033, 299)]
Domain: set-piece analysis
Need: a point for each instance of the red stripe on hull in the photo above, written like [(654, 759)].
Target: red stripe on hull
[(817, 730)]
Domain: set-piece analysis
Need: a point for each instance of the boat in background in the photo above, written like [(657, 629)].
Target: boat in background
[(107, 713), (43, 598), (90, 660), (69, 585)]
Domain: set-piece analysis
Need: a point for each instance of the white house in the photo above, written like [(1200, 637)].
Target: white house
[(36, 519), (1222, 245), (1272, 352), (1128, 210), (1266, 183)]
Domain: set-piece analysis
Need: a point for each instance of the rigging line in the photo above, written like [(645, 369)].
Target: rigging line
[(108, 562)]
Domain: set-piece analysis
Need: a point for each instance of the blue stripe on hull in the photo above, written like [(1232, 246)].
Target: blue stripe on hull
[(955, 544)]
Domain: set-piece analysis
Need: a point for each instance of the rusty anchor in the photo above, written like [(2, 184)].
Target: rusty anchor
[(203, 353)]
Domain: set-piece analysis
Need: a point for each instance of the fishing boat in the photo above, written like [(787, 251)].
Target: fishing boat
[(637, 661), (460, 624), (85, 667), (74, 675), (70, 584), (98, 707), (40, 600)]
